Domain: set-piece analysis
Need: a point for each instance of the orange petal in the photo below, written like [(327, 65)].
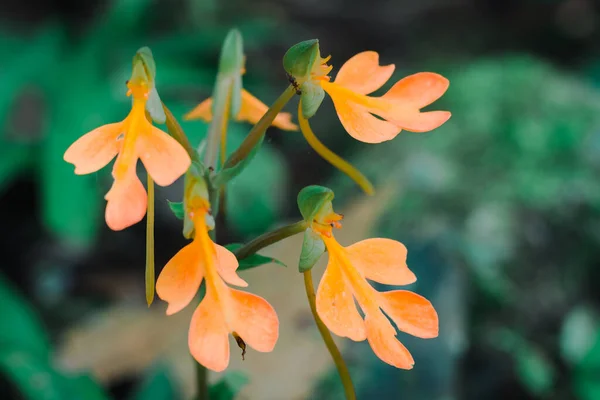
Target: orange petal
[(255, 320), (356, 118), (208, 337), (202, 111), (164, 158), (382, 338), (411, 313), (253, 109), (363, 74), (336, 307), (95, 149), (227, 265), (415, 121), (180, 279), (381, 260), (418, 90), (127, 201)]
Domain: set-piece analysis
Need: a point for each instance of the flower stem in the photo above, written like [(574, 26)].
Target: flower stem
[(331, 157), (269, 238), (260, 128), (201, 382), (177, 132), (329, 343), (150, 277)]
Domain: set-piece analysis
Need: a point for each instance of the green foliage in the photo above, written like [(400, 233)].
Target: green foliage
[(252, 261), (157, 385), (229, 386), (177, 209), (25, 355), (230, 67)]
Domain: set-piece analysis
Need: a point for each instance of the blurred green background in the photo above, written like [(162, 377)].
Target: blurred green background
[(500, 207)]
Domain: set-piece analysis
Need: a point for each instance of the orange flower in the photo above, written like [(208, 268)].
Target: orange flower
[(131, 139), (345, 280), (252, 110), (398, 109), (223, 310)]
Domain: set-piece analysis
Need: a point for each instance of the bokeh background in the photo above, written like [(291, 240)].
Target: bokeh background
[(500, 207)]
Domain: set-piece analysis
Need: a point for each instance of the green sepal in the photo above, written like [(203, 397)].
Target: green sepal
[(313, 248), (177, 208), (254, 260), (227, 174), (229, 386), (300, 58), (312, 96), (231, 64), (312, 199)]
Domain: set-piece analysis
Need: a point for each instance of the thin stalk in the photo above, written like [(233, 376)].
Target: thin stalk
[(177, 132), (260, 128), (201, 382), (331, 157), (150, 277), (329, 343), (269, 238)]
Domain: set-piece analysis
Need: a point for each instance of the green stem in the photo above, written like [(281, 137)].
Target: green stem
[(329, 343), (150, 277), (260, 128), (201, 382), (269, 238), (177, 132)]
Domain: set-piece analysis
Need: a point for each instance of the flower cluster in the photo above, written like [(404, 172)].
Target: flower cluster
[(207, 268)]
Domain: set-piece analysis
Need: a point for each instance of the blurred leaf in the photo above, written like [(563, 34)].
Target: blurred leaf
[(21, 327), (255, 260), (34, 378), (578, 334), (85, 388), (535, 370), (177, 208), (157, 385), (229, 386)]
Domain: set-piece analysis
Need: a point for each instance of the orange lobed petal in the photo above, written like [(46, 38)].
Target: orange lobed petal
[(357, 118), (208, 337), (411, 313), (180, 279), (202, 111), (382, 339), (335, 304), (381, 260), (253, 109), (164, 158), (255, 320), (95, 149), (127, 201), (363, 74), (226, 265)]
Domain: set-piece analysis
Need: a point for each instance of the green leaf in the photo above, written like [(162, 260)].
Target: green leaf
[(230, 68), (21, 327), (86, 388), (229, 386), (177, 208), (252, 261), (313, 248), (32, 376), (578, 334), (535, 370), (157, 385)]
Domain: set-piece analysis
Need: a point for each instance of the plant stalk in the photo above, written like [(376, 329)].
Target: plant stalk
[(329, 343), (269, 238)]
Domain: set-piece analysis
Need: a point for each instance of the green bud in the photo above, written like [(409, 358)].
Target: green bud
[(312, 96), (313, 248), (231, 64), (312, 199), (145, 56), (300, 58)]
